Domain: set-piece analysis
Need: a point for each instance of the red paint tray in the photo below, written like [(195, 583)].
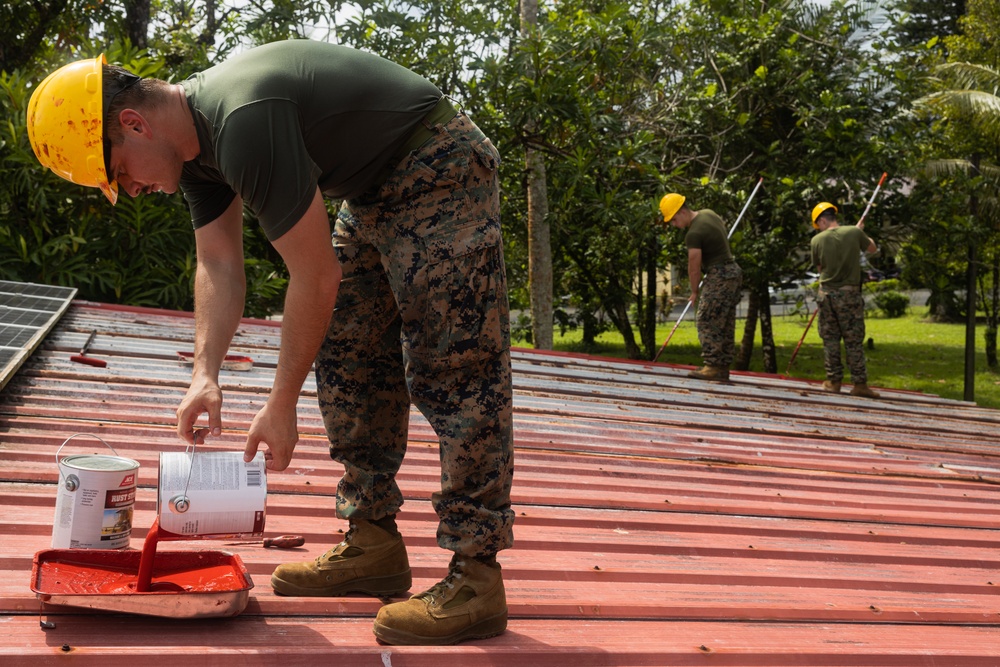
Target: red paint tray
[(185, 584)]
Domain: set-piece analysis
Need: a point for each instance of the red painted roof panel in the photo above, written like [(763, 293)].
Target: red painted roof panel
[(660, 520)]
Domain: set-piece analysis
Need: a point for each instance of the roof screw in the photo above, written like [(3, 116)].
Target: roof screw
[(66, 648)]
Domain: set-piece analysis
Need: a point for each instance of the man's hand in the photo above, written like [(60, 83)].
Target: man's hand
[(278, 429), (694, 295), (203, 396)]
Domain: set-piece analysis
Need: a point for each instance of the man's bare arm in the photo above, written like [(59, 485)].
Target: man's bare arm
[(219, 293), (694, 271), (314, 279)]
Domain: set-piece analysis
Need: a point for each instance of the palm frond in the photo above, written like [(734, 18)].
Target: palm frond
[(965, 102), (969, 76), (947, 167), (991, 173), (982, 108)]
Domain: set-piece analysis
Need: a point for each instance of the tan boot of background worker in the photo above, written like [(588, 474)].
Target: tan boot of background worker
[(836, 253), (414, 265), (707, 241)]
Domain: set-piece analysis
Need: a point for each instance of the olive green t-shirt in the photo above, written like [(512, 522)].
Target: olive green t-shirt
[(838, 252), (279, 120), (708, 233)]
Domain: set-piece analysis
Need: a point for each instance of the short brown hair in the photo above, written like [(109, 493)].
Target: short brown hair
[(124, 90)]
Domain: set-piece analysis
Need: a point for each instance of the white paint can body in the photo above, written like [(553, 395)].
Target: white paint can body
[(211, 495), (95, 502)]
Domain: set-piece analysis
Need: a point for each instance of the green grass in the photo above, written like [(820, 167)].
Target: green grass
[(909, 352)]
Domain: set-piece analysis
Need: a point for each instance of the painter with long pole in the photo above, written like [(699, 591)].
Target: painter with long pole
[(816, 212), (666, 207)]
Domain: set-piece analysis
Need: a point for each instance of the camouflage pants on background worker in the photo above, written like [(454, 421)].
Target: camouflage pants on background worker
[(720, 293), (842, 316), (422, 315)]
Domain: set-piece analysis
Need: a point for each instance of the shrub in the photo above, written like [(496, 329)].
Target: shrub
[(893, 304), (887, 285)]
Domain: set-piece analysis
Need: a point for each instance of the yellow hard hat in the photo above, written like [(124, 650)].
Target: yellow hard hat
[(818, 211), (66, 124), (670, 204)]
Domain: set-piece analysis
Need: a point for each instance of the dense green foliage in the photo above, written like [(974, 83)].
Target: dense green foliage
[(963, 110), (627, 100)]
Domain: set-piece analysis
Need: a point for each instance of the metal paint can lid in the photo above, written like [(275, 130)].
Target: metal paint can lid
[(97, 462)]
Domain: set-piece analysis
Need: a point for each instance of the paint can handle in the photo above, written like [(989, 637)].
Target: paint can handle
[(182, 503), (66, 441)]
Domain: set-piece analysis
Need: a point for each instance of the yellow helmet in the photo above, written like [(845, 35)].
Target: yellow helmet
[(66, 124), (818, 211), (670, 204)]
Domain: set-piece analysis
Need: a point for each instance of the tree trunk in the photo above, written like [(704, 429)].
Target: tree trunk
[(993, 316), (539, 251), (590, 329), (587, 317), (207, 36), (137, 22), (767, 348), (970, 303), (647, 297), (991, 347), (970, 327), (539, 235), (618, 314), (745, 352)]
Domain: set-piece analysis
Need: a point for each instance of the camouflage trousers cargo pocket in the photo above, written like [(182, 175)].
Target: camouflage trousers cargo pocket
[(465, 311)]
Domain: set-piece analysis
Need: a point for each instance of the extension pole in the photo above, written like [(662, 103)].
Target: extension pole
[(729, 236), (815, 312), (860, 225), (861, 221)]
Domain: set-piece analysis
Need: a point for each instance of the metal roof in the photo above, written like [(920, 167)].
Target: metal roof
[(660, 520)]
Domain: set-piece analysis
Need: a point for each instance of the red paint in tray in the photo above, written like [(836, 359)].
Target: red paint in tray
[(176, 584), (68, 577)]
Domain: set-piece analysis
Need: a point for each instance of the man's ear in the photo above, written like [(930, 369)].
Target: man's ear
[(133, 121)]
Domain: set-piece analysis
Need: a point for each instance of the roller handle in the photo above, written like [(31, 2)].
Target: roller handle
[(284, 541), (90, 361)]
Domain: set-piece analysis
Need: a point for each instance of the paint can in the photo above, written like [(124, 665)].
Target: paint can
[(95, 500), (211, 495)]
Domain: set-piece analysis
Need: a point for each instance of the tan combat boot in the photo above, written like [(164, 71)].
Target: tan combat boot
[(370, 560), (831, 386), (862, 389), (710, 373), (470, 603)]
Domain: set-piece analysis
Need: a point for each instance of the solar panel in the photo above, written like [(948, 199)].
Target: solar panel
[(27, 313)]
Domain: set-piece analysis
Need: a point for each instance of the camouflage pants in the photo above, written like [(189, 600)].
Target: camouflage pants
[(720, 292), (842, 316), (422, 317)]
